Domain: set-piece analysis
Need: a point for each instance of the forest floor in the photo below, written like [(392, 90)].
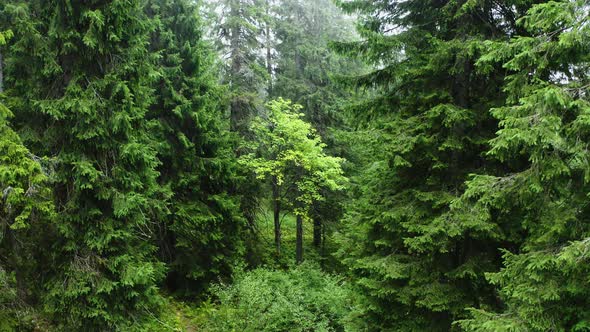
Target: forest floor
[(189, 317), (288, 241)]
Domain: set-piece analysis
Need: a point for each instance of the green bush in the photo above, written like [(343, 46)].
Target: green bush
[(301, 299)]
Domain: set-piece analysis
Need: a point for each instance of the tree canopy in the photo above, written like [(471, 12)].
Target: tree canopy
[(274, 165)]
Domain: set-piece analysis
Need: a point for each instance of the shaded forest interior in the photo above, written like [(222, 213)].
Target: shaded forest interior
[(294, 165)]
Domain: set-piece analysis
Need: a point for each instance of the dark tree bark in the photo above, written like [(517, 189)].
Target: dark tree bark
[(237, 108), (268, 48), (299, 245), (15, 256), (299, 237), (1, 74), (276, 214), (317, 232), (17, 264)]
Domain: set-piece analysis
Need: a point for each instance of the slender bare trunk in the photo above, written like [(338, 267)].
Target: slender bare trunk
[(276, 214), (299, 244), (1, 74), (299, 237), (323, 249), (236, 106), (268, 48), (317, 232)]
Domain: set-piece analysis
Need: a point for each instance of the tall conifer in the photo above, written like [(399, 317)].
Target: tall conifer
[(431, 121), (542, 192), (201, 236), (83, 77)]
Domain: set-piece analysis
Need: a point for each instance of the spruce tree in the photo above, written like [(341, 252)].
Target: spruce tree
[(239, 30), (82, 77), (542, 191), (202, 234), (26, 211), (306, 67), (430, 123)]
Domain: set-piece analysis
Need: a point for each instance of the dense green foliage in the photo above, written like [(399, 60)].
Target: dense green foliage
[(88, 89), (433, 163), (200, 234), (431, 113), (119, 94), (302, 299), (292, 156), (496, 89), (25, 213), (543, 191)]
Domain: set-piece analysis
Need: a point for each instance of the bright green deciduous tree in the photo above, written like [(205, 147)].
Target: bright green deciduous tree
[(292, 155)]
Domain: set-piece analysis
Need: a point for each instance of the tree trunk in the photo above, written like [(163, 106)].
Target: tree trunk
[(236, 105), (236, 115), (323, 249), (276, 214), (16, 260), (317, 232), (298, 65), (299, 245), (1, 74), (268, 48)]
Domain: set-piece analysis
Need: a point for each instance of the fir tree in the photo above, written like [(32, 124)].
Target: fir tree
[(431, 123), (201, 236), (26, 211), (542, 192), (82, 77)]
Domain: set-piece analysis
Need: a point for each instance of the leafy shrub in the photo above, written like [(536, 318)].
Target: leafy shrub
[(301, 299)]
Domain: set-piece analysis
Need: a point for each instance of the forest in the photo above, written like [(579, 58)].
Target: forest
[(295, 165)]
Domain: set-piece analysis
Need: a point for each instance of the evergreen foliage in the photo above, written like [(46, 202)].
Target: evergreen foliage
[(199, 238), (238, 32), (543, 192), (134, 156), (302, 299), (431, 122), (26, 211), (87, 91), (306, 67)]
